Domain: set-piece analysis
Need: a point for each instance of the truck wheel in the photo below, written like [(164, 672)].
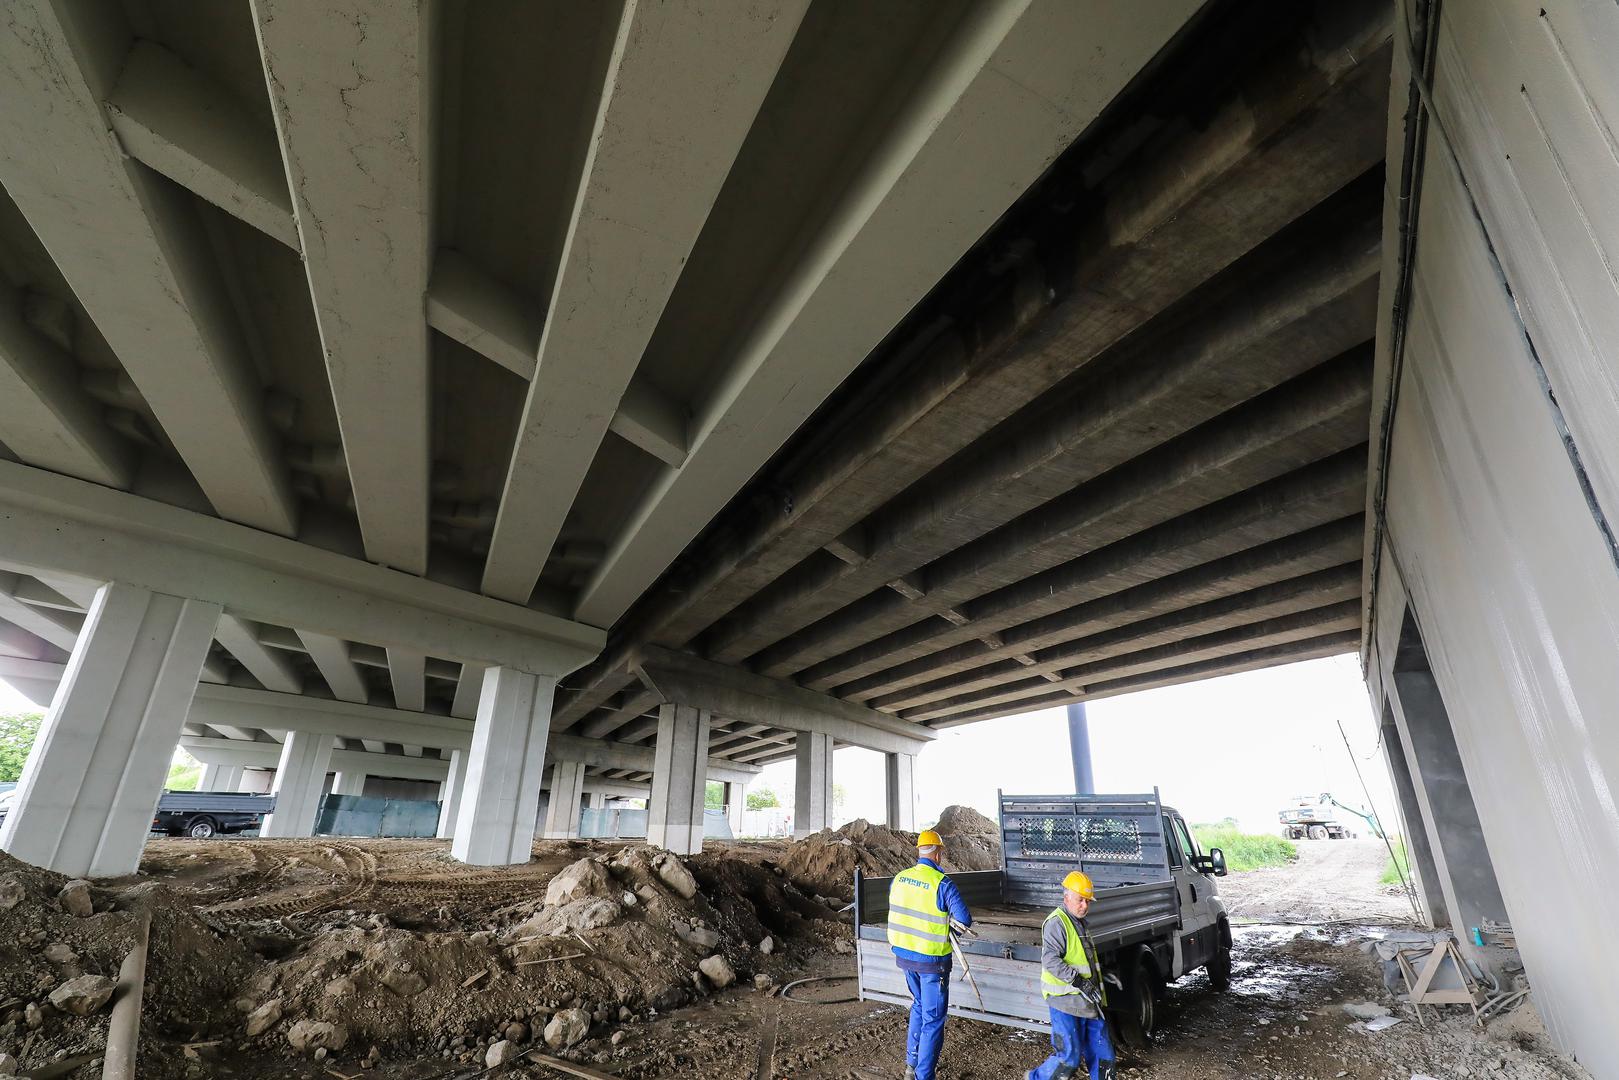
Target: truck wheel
[(1318, 832), (1219, 968), (202, 828), (1138, 1013)]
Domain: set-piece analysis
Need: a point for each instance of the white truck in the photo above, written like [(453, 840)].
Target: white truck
[(1316, 817), (1157, 914)]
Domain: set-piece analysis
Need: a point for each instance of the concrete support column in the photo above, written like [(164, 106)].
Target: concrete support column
[(228, 778), (449, 795), (598, 800), (812, 795), (1079, 748), (679, 780), (1413, 827), (736, 801), (300, 780), (567, 799), (500, 800), (901, 769), (85, 800), (210, 778), (348, 783)]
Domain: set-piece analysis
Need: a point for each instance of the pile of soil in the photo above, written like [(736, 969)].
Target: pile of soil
[(824, 863)]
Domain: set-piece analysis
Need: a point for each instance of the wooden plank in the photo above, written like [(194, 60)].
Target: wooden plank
[(570, 1068)]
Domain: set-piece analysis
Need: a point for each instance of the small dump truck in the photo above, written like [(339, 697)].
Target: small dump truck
[(203, 814), (1316, 817), (1157, 914)]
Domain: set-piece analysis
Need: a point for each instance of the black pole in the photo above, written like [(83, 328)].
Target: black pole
[(1079, 745)]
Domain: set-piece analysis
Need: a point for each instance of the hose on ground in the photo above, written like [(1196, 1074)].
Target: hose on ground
[(786, 991)]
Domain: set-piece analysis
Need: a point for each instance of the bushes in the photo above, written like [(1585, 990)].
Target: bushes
[(1391, 876), (1245, 851)]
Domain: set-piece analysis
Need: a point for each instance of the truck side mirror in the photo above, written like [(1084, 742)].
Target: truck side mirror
[(1217, 861)]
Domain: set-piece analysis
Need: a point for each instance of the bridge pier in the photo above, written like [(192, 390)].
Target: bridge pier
[(501, 798), (300, 779), (679, 779), (812, 794), (566, 800)]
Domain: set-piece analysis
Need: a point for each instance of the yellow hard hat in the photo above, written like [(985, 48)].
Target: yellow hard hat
[(929, 838), (1080, 883)]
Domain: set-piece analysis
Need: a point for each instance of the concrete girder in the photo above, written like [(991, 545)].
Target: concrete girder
[(1272, 318), (407, 674), (177, 121), (135, 255), (1183, 216), (615, 755), (55, 523), (742, 695), (331, 657), (1311, 590), (1309, 418), (1308, 649), (467, 688), (35, 593), (243, 707), (682, 89), (364, 211), (273, 670), (1244, 637), (268, 755), (59, 628), (469, 305), (1325, 491), (636, 704), (1002, 93), (47, 418)]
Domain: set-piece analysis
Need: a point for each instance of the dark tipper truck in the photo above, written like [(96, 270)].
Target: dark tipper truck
[(1157, 915), (203, 814)]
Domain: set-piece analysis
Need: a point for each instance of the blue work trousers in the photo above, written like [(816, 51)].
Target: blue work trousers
[(1075, 1042), (930, 1002)]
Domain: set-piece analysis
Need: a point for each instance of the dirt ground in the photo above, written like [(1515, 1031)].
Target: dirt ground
[(426, 963)]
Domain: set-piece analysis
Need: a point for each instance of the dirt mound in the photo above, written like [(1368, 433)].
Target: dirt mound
[(824, 863)]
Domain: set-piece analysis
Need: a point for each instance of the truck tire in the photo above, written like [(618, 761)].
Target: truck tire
[(1318, 832), (1219, 968), (1137, 1014), (202, 828)]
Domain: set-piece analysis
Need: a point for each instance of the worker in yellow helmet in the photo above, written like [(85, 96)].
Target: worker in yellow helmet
[(1071, 981), (922, 903)]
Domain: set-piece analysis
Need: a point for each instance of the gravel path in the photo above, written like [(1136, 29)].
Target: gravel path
[(1333, 881)]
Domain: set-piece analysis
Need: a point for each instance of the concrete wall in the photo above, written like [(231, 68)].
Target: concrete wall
[(1502, 466)]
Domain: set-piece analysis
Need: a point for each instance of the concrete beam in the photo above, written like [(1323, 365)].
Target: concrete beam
[(248, 708), (176, 120), (267, 665), (467, 689), (1001, 93), (741, 695), (973, 663), (407, 674), (57, 627), (136, 257), (54, 523), (48, 419), (616, 755), (1321, 412), (682, 88), (637, 703), (358, 762), (1275, 318), (364, 207), (331, 656), (1179, 218)]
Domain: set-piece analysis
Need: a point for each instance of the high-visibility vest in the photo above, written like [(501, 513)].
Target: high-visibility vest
[(914, 919), (1075, 956)]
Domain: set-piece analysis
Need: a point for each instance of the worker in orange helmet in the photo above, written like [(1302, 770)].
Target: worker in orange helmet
[(1071, 981), (922, 904)]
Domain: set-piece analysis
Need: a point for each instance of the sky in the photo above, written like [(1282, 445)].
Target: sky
[(1237, 747)]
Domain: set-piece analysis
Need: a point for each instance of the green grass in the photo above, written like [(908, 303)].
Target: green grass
[(1391, 876), (1245, 851)]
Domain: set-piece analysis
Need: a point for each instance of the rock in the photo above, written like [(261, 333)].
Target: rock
[(59, 953), (33, 1016), (516, 1032), (624, 1014), (768, 945), (316, 1034), (700, 937), (577, 881), (403, 981), (11, 892), (566, 1028), (763, 981), (673, 873), (590, 914), (8, 1065), (263, 1018), (500, 1053), (618, 1037), (83, 995), (1365, 1010), (843, 946), (629, 899), (718, 971), (75, 899), (342, 986)]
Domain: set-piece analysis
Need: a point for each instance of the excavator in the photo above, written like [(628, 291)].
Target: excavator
[(1316, 817)]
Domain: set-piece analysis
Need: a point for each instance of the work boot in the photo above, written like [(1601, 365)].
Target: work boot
[(1105, 1070), (910, 1072)]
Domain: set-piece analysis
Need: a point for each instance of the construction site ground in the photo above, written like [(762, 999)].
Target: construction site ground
[(424, 964)]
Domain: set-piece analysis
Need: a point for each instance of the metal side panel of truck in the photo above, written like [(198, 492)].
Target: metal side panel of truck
[(1155, 907), (205, 814)]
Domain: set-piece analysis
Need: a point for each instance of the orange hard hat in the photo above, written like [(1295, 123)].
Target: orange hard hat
[(1080, 882), (929, 838)]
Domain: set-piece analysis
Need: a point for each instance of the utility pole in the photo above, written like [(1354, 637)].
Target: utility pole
[(1079, 745)]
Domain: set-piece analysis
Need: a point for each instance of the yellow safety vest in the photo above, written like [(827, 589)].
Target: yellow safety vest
[(1076, 956), (914, 919)]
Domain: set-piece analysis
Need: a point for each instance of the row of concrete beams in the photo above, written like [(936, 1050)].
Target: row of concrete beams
[(1184, 215)]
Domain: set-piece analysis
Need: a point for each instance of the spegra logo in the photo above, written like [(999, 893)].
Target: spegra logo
[(918, 884)]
